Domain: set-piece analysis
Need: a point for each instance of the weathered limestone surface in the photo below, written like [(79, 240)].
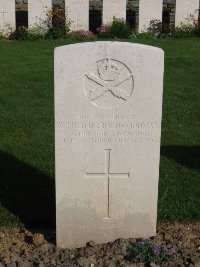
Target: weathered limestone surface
[(77, 14), (185, 11), (37, 12), (113, 8), (108, 105), (7, 16), (149, 10)]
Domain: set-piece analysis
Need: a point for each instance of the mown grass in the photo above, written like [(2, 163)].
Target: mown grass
[(27, 133)]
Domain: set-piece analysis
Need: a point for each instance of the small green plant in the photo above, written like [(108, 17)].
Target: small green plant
[(35, 34), (118, 29), (20, 34), (144, 35), (56, 24), (191, 29), (1, 36), (147, 252), (184, 31), (57, 33), (197, 30), (160, 30), (103, 31), (133, 35), (83, 35)]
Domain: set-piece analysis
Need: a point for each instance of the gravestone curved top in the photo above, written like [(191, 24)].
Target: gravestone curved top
[(108, 108)]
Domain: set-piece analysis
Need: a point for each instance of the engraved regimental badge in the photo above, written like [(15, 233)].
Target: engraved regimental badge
[(108, 83)]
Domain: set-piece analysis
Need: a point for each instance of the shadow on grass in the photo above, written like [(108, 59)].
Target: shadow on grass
[(30, 194), (187, 156), (27, 192)]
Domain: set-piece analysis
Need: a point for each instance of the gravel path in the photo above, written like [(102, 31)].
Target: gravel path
[(20, 247)]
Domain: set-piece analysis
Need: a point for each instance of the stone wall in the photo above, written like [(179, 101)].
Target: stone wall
[(169, 7), (21, 5), (21, 12)]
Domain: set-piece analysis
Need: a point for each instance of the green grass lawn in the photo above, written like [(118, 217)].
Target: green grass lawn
[(27, 187)]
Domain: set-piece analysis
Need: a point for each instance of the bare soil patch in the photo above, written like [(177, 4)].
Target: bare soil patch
[(20, 247)]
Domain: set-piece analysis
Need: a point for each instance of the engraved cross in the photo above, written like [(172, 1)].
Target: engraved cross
[(108, 175)]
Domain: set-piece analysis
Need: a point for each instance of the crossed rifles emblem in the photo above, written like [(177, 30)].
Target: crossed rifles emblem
[(110, 85)]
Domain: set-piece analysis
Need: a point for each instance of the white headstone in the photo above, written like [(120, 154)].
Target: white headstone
[(184, 10), (7, 16), (77, 14), (113, 8), (108, 105), (149, 10), (37, 12)]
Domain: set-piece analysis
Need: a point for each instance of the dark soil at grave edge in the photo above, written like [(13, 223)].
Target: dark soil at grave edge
[(20, 247)]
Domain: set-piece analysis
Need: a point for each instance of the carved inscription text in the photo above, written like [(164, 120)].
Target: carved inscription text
[(89, 129)]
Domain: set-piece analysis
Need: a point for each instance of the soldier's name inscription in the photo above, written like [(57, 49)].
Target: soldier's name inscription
[(97, 130)]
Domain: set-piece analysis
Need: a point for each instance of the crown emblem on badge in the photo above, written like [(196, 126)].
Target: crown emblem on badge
[(109, 71)]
